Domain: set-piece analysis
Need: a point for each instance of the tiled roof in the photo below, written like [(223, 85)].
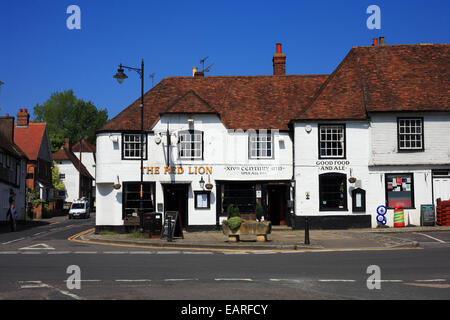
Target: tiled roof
[(10, 147), (65, 154), (87, 147), (242, 102), (403, 78), (29, 139)]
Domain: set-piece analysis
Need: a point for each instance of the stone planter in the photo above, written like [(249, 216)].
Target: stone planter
[(259, 229)]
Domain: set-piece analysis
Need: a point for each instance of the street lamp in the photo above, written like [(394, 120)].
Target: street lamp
[(120, 76)]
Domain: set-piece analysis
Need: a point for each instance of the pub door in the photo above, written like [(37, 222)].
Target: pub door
[(276, 204), (176, 199)]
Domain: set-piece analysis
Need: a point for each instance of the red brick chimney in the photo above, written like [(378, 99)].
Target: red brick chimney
[(67, 144), (279, 62), (23, 118)]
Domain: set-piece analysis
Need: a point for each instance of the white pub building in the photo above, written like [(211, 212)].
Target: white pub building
[(331, 147)]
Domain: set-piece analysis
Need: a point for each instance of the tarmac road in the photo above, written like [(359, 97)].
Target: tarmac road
[(34, 262)]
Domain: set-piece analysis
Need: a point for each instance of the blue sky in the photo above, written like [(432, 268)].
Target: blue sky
[(39, 55)]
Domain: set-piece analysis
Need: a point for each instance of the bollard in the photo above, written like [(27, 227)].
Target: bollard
[(306, 231)]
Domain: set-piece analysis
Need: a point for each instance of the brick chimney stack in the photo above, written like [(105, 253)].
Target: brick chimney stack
[(279, 62), (23, 118), (67, 144)]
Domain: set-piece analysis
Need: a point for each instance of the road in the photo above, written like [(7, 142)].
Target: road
[(34, 263)]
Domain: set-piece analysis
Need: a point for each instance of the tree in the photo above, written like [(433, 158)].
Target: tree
[(56, 181), (69, 117)]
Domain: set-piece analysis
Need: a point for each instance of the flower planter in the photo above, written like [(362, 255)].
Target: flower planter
[(259, 229)]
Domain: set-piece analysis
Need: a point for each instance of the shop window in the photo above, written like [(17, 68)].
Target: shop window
[(190, 144), (399, 190), (332, 141), (131, 146), (333, 192), (260, 145), (202, 199), (131, 197), (410, 134), (241, 195)]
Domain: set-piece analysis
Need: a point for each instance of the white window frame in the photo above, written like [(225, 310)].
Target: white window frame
[(190, 145), (410, 131), (260, 145), (132, 145), (328, 144)]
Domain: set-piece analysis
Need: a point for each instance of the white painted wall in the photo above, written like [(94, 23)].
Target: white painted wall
[(308, 166), (71, 179), (383, 139), (226, 153)]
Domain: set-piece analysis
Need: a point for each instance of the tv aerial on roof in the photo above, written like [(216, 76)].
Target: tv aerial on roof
[(208, 68), (153, 77)]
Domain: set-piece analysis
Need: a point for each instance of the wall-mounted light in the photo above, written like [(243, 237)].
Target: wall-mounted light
[(293, 183), (157, 139), (308, 128), (190, 121)]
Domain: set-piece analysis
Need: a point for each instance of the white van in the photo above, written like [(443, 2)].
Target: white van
[(80, 209)]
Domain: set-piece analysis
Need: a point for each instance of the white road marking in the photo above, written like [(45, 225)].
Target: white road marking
[(133, 280), (85, 252), (432, 280), (36, 234), (58, 252), (142, 252), (38, 246), (226, 252), (87, 280), (114, 252), (197, 252), (291, 280), (9, 252), (263, 252), (232, 279), (180, 280), (13, 241), (336, 280), (388, 280), (426, 235), (40, 284), (168, 252)]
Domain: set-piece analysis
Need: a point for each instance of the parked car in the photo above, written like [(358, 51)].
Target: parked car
[(80, 209)]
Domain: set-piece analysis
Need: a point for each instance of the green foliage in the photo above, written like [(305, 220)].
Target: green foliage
[(57, 183), (259, 212), (232, 211), (234, 223), (69, 117)]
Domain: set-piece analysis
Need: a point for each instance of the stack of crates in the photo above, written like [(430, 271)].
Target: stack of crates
[(443, 213)]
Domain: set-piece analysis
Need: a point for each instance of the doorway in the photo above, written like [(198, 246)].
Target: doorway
[(441, 185), (276, 204), (176, 199)]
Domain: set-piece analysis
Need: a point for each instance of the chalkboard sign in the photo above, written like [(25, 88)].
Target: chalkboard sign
[(175, 222), (427, 215)]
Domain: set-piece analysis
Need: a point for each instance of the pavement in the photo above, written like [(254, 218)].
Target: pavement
[(281, 239)]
